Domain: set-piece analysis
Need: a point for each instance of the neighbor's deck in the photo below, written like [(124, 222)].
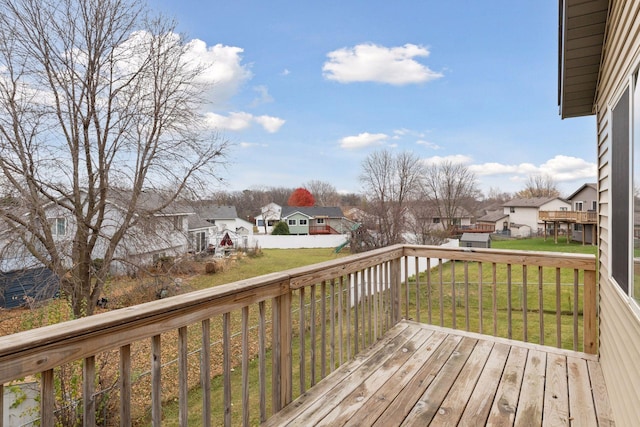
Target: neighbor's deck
[(424, 375)]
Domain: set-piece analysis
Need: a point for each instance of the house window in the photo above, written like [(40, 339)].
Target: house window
[(577, 227), (578, 207), (436, 220), (320, 220), (563, 208), (620, 127), (292, 222), (58, 226), (512, 210), (261, 223), (594, 205), (303, 222), (625, 200)]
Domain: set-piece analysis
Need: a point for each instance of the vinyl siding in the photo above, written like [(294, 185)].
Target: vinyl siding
[(619, 344)]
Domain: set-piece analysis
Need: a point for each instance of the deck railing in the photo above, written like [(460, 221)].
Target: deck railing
[(265, 340), (580, 217)]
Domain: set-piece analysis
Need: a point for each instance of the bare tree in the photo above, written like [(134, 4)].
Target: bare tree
[(390, 181), (324, 193), (495, 194), (539, 186), (449, 188), (94, 95)]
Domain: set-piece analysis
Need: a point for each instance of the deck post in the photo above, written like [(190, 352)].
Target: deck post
[(589, 317), (282, 365), (396, 280)]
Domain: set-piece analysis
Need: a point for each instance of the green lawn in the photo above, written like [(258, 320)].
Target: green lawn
[(271, 261), (539, 244)]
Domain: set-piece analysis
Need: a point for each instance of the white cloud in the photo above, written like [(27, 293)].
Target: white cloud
[(285, 72), (567, 168), (373, 63), (252, 144), (428, 144), (561, 168), (362, 140), (223, 68), (269, 123), (455, 158), (237, 121), (234, 121)]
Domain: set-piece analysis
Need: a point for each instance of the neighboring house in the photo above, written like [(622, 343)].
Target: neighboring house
[(524, 213), (270, 214), (497, 220), (154, 235), (304, 220), (585, 199), (157, 234), (436, 219), (210, 222), (600, 74), (315, 220), (461, 220)]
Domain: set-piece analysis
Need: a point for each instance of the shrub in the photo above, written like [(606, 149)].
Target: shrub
[(281, 229)]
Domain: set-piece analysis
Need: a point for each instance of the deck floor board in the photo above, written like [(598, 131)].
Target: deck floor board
[(427, 375)]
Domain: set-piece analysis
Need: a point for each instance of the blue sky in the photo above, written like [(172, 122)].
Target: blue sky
[(306, 90)]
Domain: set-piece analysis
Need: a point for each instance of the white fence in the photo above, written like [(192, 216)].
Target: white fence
[(267, 241), (356, 279)]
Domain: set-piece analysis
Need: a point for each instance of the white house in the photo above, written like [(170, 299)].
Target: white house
[(270, 214), (523, 213), (152, 234), (211, 222)]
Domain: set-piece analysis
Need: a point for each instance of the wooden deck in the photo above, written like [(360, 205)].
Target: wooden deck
[(424, 375)]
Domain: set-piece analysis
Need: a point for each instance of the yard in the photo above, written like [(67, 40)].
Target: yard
[(467, 303)]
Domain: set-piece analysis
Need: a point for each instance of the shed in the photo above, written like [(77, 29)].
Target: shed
[(475, 240), (19, 287)]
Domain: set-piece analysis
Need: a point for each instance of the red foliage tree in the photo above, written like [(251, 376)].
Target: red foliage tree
[(301, 197)]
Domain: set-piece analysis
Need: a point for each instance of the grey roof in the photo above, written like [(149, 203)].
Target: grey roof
[(475, 237), (581, 40), (149, 200), (211, 212), (313, 211), (532, 202), (493, 216)]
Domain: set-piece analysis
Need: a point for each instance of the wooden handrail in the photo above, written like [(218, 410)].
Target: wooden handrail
[(341, 306)]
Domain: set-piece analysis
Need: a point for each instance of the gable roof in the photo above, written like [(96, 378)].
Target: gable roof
[(313, 211), (211, 212), (589, 184), (581, 41), (532, 202), (475, 237), (493, 216)]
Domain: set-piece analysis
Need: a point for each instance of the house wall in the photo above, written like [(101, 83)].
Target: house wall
[(298, 229), (619, 344), (587, 196), (523, 215), (529, 216)]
